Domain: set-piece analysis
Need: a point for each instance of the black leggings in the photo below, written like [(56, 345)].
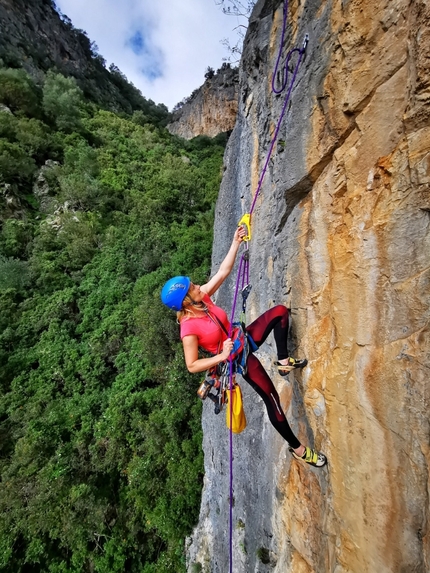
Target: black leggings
[(275, 319)]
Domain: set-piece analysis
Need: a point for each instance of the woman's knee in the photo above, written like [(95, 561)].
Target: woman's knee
[(280, 310)]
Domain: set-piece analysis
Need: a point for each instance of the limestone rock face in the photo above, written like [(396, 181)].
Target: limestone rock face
[(211, 110), (341, 235), (41, 187)]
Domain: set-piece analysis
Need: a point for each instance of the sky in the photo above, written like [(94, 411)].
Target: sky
[(164, 47)]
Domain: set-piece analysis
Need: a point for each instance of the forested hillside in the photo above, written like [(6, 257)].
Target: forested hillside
[(100, 437), (37, 37)]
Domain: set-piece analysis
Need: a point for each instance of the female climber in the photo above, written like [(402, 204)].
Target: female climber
[(204, 324)]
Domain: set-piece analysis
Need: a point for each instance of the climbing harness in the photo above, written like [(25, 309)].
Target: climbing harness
[(216, 383), (242, 280)]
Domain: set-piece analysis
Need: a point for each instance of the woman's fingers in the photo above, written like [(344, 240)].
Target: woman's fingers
[(240, 233), (227, 345)]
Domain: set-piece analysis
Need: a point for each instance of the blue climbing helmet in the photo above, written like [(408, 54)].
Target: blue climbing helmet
[(174, 292)]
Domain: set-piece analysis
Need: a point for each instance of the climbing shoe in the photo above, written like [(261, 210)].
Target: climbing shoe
[(292, 364), (311, 457)]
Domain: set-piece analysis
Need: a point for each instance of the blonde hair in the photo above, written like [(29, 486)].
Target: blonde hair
[(187, 311)]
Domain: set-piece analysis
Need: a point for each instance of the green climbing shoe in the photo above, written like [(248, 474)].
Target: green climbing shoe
[(311, 457), (293, 363)]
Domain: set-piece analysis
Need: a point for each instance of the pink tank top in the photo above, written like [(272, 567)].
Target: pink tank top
[(209, 333)]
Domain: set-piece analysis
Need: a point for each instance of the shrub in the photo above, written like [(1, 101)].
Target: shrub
[(18, 92), (263, 555), (15, 164), (13, 273)]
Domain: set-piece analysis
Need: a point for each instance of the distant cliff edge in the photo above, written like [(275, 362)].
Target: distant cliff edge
[(211, 109)]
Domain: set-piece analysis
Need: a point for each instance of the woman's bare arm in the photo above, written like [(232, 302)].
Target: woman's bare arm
[(191, 353), (226, 266)]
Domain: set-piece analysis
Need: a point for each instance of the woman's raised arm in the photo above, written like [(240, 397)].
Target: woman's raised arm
[(226, 266)]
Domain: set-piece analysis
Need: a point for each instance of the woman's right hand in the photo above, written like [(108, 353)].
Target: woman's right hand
[(239, 234), (227, 347)]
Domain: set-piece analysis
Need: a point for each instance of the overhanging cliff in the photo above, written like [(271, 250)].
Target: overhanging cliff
[(341, 235)]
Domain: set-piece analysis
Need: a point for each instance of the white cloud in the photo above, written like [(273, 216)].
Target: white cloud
[(162, 47)]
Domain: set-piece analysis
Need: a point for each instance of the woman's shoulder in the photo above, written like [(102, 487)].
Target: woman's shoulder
[(192, 318), (207, 300), (190, 325)]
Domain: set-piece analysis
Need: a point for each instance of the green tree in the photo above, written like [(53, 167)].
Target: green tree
[(62, 101), (13, 273), (15, 164), (16, 238), (18, 92)]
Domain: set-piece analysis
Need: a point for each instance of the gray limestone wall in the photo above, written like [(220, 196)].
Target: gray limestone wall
[(350, 164), (259, 448)]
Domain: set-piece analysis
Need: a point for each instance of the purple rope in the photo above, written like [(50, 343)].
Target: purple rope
[(230, 404), (284, 27), (243, 271), (301, 51), (236, 292), (245, 274)]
